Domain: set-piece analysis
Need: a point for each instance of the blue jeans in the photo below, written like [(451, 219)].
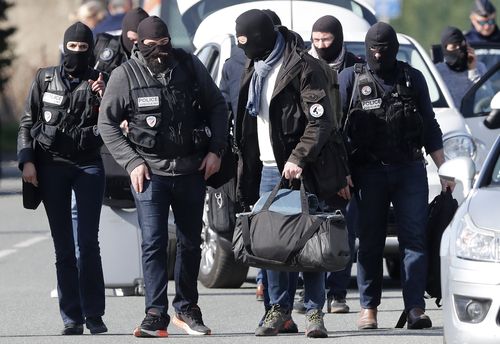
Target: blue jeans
[(337, 282), (405, 185), (80, 282), (280, 286), (186, 195)]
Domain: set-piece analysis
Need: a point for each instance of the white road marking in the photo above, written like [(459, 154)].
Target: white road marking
[(29, 242), (4, 253)]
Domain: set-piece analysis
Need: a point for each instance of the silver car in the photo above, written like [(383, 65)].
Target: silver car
[(470, 254)]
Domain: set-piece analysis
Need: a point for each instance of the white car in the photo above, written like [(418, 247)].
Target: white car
[(470, 255)]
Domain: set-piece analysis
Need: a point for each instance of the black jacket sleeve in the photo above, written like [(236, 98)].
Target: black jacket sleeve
[(214, 106), (25, 152)]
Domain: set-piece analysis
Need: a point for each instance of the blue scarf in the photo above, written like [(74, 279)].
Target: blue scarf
[(262, 69)]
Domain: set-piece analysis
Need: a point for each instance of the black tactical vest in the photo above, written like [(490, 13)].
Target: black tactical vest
[(384, 126), (67, 122), (108, 53), (164, 119)]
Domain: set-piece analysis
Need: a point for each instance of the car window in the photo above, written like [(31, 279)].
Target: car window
[(209, 56), (408, 53), (476, 101)]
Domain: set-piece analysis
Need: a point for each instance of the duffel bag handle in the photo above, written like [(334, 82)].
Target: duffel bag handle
[(303, 198)]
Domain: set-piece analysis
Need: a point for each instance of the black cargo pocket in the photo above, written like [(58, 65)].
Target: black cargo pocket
[(46, 136), (89, 138), (144, 129), (311, 105)]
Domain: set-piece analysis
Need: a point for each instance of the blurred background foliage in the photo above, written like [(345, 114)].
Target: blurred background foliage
[(425, 19)]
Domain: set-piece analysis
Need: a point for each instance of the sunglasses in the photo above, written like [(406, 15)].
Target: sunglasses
[(487, 21)]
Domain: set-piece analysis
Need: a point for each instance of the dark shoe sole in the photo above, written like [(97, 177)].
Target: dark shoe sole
[(289, 327), (316, 334), (142, 333), (185, 327), (72, 331), (367, 327), (98, 329), (266, 332), (420, 324)]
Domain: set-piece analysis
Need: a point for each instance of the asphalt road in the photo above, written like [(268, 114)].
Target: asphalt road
[(29, 315)]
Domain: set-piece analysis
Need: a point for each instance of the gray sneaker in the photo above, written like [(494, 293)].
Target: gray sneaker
[(315, 328), (275, 319), (337, 306)]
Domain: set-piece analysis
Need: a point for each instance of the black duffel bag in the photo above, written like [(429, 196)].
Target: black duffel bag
[(291, 242)]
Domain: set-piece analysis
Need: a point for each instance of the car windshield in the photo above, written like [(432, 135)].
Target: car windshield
[(183, 26), (408, 53)]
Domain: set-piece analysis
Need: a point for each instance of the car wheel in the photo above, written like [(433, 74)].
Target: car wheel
[(218, 269), (171, 253), (393, 265)]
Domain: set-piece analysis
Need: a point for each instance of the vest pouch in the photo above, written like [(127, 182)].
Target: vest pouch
[(89, 138), (144, 130), (201, 137), (44, 134)]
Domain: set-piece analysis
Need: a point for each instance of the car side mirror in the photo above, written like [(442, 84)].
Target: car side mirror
[(461, 169), (493, 119)]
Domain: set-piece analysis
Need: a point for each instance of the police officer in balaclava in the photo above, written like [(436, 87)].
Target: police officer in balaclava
[(170, 151), (78, 45), (58, 131), (327, 39), (460, 69), (111, 51), (258, 35), (130, 24), (393, 98)]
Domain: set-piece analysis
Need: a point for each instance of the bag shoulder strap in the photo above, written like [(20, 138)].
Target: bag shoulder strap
[(306, 236)]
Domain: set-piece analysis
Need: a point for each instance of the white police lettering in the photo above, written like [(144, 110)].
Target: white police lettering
[(316, 110), (151, 121), (148, 101), (366, 90), (371, 104), (52, 98), (47, 115), (106, 54)]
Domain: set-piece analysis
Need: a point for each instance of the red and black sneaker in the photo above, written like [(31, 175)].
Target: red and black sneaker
[(191, 321), (152, 326)]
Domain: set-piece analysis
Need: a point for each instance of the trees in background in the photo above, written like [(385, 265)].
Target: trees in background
[(6, 55), (425, 19)]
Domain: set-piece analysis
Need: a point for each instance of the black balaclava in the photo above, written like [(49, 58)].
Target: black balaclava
[(383, 37), (155, 56), (130, 23), (457, 59), (76, 63), (274, 17), (332, 25), (255, 33)]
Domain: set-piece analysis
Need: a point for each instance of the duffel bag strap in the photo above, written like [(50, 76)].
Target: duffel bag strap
[(303, 197), (245, 233), (307, 235)]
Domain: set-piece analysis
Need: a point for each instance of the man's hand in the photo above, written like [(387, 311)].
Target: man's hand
[(291, 171), (97, 86), (345, 192), (471, 58), (211, 164), (137, 177), (29, 173)]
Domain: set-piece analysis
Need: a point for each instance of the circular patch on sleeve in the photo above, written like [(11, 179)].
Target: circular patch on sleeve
[(106, 54), (316, 110), (366, 90)]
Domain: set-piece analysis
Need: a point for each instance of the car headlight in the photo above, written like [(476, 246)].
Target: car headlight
[(459, 146), (476, 243)]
